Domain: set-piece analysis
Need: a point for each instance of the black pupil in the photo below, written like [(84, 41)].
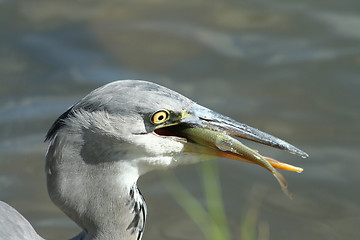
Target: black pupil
[(161, 117)]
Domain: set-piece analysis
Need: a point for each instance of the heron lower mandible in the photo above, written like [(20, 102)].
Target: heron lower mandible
[(101, 145)]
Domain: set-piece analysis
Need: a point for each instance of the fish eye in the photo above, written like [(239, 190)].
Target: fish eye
[(160, 117)]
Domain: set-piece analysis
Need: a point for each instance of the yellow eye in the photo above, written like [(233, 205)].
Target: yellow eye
[(160, 117)]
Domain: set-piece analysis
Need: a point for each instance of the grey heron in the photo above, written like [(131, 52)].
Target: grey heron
[(102, 144)]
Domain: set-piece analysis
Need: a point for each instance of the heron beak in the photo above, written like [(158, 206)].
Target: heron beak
[(211, 133)]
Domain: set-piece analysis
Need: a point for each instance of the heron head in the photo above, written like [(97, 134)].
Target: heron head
[(155, 127)]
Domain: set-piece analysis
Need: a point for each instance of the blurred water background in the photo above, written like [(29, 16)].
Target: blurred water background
[(290, 68)]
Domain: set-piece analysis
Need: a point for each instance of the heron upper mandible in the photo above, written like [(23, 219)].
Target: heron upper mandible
[(101, 145)]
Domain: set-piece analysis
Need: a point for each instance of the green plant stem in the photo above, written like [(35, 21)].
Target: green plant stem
[(190, 205), (212, 188)]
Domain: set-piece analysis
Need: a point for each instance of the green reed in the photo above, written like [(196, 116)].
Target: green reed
[(212, 220)]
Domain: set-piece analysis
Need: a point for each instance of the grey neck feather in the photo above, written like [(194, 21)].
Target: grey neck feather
[(100, 196)]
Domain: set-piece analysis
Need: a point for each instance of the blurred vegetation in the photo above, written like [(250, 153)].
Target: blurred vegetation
[(212, 220)]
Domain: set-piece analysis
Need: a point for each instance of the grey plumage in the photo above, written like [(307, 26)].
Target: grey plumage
[(13, 226), (96, 154), (101, 145)]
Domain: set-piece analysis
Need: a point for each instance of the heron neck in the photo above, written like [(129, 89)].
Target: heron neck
[(102, 198)]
